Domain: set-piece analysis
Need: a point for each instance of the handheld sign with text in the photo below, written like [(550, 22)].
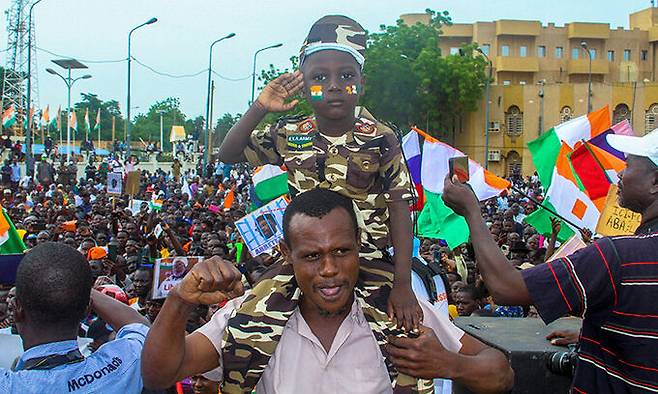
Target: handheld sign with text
[(169, 272), (616, 220), (262, 229)]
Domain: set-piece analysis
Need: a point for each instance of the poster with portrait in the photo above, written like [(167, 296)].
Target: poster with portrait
[(114, 183), (262, 229), (169, 271)]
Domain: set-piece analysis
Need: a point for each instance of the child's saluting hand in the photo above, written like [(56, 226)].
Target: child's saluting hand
[(274, 95)]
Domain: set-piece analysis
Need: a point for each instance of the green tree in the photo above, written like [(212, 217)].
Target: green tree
[(147, 126), (408, 81), (222, 127), (109, 109)]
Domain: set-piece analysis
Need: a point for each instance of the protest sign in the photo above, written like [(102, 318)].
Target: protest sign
[(132, 183), (169, 271), (114, 183), (262, 229), (616, 220)]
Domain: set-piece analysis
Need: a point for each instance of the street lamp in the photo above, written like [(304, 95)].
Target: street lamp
[(253, 72), (541, 84), (583, 44), (68, 64), (148, 22), (486, 111), (29, 162), (161, 111), (206, 152)]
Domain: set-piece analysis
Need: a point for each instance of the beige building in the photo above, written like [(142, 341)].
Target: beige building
[(529, 58)]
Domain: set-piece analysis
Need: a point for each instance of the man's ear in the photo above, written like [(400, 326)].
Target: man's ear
[(285, 251)]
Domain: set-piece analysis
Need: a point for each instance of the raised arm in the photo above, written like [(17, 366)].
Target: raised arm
[(115, 313), (271, 99), (503, 281), (169, 355)]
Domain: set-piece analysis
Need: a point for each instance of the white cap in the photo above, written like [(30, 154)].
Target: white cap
[(645, 146)]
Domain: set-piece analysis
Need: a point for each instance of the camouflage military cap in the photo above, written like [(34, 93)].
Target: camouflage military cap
[(336, 32)]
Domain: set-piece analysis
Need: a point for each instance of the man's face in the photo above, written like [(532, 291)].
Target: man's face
[(324, 253), (153, 307), (96, 267), (508, 226), (131, 247), (638, 184), (465, 303), (85, 246), (42, 237), (122, 238), (179, 267), (332, 73), (142, 283), (196, 233)]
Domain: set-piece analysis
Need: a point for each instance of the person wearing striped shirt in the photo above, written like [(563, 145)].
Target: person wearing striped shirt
[(612, 283)]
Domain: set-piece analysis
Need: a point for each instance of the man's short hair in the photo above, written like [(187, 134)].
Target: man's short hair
[(471, 290), (53, 284), (316, 203)]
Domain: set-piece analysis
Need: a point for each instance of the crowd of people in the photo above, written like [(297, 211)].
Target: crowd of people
[(341, 293)]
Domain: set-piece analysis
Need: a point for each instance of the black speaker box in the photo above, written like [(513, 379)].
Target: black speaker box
[(523, 340)]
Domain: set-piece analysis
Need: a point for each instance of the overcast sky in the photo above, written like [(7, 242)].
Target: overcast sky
[(179, 42)]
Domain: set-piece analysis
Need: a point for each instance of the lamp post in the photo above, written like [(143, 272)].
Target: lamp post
[(486, 111), (161, 111), (253, 72), (148, 22), (29, 162), (69, 84), (206, 152), (589, 78), (541, 84)]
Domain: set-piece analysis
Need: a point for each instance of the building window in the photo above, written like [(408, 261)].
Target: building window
[(504, 50), (522, 82), (541, 51), (644, 55), (565, 114), (575, 52), (650, 118), (627, 55), (485, 48), (592, 53), (611, 56), (620, 113), (523, 51), (558, 52), (514, 121), (454, 51), (507, 82)]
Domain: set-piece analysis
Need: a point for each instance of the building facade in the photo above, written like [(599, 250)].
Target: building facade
[(540, 79)]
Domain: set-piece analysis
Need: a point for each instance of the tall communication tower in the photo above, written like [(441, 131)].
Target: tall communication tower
[(14, 85)]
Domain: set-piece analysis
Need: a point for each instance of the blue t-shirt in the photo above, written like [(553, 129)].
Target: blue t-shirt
[(113, 368)]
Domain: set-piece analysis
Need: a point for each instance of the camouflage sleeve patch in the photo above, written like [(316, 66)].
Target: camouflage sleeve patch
[(393, 170), (262, 147)]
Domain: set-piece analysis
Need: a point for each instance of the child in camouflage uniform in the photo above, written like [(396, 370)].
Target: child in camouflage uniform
[(341, 148)]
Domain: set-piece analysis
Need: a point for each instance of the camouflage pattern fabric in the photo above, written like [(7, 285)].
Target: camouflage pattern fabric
[(365, 165), (337, 31), (255, 330)]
